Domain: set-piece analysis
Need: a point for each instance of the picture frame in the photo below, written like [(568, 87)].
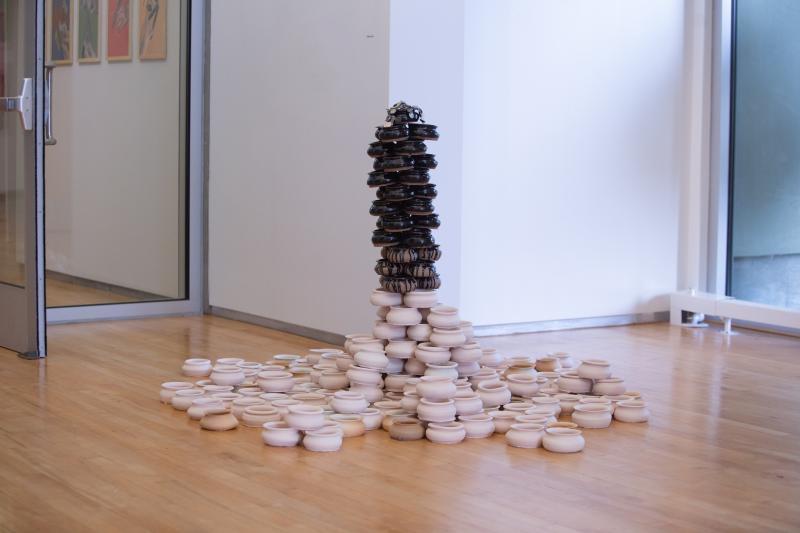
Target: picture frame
[(152, 36), (59, 32), (88, 36), (119, 35)]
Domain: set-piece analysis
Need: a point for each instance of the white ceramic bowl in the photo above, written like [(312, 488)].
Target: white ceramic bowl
[(563, 440), (280, 434), (446, 432), (478, 425), (525, 435)]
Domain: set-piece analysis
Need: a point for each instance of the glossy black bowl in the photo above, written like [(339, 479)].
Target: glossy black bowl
[(399, 254), (429, 254), (409, 148), (426, 221), (378, 179), (422, 132), (395, 193), (379, 149), (425, 161), (382, 208), (386, 268), (395, 223), (417, 238), (414, 177), (397, 132), (426, 191), (393, 163), (418, 206), (401, 284), (385, 238)]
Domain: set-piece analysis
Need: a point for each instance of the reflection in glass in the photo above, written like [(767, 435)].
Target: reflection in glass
[(12, 158), (115, 195)]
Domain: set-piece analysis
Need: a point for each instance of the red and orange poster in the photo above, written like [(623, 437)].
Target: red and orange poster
[(119, 30)]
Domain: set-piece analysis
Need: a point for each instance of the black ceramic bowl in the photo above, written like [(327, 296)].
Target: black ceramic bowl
[(399, 254), (425, 161), (395, 223), (393, 163), (429, 254), (397, 132), (426, 191), (418, 238), (378, 179), (418, 206), (382, 208), (422, 132), (401, 284), (384, 238), (430, 283), (414, 177), (420, 269), (426, 221), (379, 149), (395, 193), (409, 148)]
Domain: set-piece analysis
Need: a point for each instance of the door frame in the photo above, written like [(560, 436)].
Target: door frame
[(196, 169), (720, 146)]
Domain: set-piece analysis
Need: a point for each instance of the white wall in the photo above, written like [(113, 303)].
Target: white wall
[(431, 77), (113, 193), (572, 158), (297, 89), (561, 155)]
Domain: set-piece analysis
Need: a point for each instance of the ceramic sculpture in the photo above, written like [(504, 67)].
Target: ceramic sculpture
[(404, 207), (418, 373)]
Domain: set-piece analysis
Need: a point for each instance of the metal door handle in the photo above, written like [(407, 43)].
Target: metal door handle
[(49, 140), (22, 104)]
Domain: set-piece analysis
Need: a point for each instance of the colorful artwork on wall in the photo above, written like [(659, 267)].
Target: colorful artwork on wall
[(152, 29), (61, 32), (118, 47), (88, 31)]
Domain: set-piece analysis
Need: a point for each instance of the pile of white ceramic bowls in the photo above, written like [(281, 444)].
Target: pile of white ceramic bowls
[(284, 396), (418, 375)]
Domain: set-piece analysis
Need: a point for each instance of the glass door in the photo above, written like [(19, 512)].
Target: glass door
[(21, 193), (764, 222), (124, 181)]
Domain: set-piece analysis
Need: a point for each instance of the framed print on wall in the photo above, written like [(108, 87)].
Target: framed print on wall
[(152, 29), (60, 34), (88, 31), (118, 45)]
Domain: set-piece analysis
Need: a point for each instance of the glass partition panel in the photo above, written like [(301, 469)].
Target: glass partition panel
[(116, 181), (764, 240)]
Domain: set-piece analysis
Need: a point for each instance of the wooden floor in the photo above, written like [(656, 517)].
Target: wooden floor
[(85, 445)]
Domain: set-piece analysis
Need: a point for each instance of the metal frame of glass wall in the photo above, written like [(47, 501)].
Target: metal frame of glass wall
[(753, 314)]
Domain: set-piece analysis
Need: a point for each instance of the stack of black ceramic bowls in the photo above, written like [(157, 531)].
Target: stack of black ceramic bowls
[(404, 205)]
